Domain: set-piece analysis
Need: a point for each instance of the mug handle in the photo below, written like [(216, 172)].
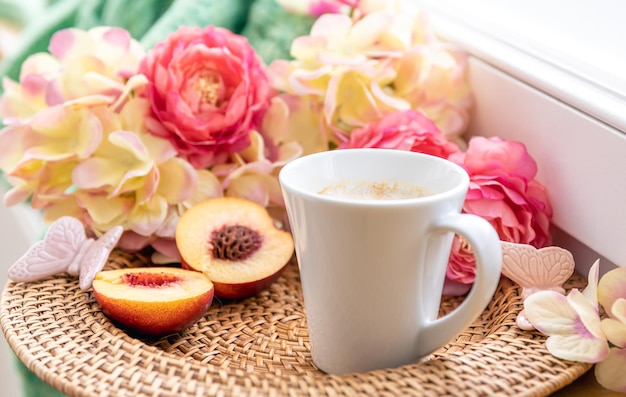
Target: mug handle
[(487, 250)]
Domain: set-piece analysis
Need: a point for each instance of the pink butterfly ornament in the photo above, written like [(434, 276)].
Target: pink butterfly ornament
[(65, 248), (543, 269)]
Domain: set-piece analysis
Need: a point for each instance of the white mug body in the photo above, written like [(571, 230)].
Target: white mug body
[(372, 271)]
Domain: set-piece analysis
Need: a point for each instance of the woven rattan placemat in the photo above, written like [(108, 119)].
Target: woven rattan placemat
[(259, 347)]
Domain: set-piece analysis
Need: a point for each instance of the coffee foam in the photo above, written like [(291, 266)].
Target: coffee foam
[(387, 189)]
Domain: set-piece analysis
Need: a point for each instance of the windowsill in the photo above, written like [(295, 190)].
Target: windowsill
[(548, 45), (571, 116)]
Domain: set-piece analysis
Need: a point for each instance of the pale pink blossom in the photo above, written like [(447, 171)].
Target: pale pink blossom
[(612, 288), (253, 172), (356, 69), (612, 297), (76, 141), (610, 372), (578, 331), (571, 322), (433, 78), (81, 64)]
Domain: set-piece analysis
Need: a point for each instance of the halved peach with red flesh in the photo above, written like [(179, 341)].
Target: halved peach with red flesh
[(235, 243), (153, 301)]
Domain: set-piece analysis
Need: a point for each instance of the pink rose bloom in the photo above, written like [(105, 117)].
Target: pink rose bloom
[(208, 90), (403, 130), (503, 191)]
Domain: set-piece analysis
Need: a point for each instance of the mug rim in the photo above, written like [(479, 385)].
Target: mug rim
[(287, 184)]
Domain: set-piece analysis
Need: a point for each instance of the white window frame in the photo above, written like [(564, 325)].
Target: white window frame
[(568, 107)]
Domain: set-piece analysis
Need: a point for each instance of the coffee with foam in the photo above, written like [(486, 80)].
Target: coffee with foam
[(387, 189)]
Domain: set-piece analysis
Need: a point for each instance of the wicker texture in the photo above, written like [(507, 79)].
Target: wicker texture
[(259, 347)]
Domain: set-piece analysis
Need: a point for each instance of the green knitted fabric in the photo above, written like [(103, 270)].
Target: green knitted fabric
[(231, 14), (137, 16), (17, 12), (32, 386), (271, 29)]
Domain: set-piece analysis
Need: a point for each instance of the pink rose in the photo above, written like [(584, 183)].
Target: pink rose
[(321, 7), (318, 7), (503, 191), (404, 130), (208, 90)]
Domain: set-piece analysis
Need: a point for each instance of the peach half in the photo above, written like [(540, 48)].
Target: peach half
[(153, 301), (233, 242)]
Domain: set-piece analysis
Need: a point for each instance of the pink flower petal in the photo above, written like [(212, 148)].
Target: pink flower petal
[(612, 286), (17, 194), (12, 146), (615, 328), (574, 348), (277, 72), (551, 313), (619, 310), (287, 152), (610, 372), (302, 82), (587, 312), (62, 41), (104, 211), (367, 31), (307, 47), (274, 123), (250, 187), (615, 331), (146, 219), (591, 291), (177, 180), (133, 242), (130, 142), (117, 37), (488, 154), (393, 102), (332, 27), (94, 173), (167, 248)]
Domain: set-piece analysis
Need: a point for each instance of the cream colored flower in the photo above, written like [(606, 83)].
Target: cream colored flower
[(81, 64), (357, 69), (576, 331), (253, 172), (572, 323)]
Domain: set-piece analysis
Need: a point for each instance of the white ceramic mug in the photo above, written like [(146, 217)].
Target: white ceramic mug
[(372, 271)]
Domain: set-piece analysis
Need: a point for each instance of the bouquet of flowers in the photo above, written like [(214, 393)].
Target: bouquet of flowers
[(103, 130)]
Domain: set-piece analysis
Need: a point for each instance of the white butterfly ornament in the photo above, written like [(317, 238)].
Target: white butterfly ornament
[(544, 269), (66, 248)]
